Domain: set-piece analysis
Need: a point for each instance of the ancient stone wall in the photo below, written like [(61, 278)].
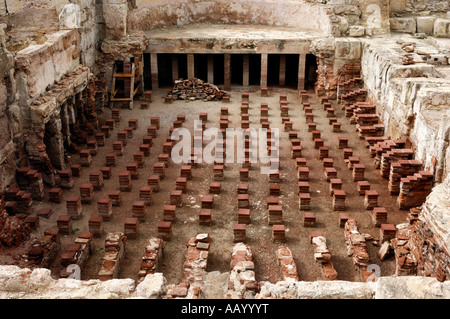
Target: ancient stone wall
[(338, 60), (36, 69), (413, 100), (45, 40), (434, 234), (19, 283), (419, 7), (39, 66), (359, 17), (87, 18), (30, 22), (421, 16)]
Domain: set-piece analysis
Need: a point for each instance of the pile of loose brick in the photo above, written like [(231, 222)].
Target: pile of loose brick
[(356, 247), (407, 254), (194, 268), (434, 260), (76, 254), (322, 255), (416, 249), (195, 89), (42, 251)]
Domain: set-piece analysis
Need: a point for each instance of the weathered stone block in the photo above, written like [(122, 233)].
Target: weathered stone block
[(356, 31), (70, 17), (347, 48), (115, 17), (425, 24), (405, 25), (442, 28)]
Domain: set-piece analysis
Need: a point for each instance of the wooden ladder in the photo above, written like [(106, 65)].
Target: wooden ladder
[(135, 79)]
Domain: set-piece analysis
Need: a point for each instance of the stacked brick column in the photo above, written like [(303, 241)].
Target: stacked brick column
[(414, 189)]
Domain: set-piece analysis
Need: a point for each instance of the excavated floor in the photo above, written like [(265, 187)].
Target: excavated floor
[(224, 214)]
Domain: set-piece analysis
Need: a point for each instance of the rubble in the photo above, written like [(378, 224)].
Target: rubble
[(384, 251), (195, 89), (13, 230), (42, 251), (114, 253), (76, 254), (356, 246), (153, 254), (287, 264), (194, 268)]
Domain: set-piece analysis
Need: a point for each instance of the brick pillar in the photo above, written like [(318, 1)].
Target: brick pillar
[(246, 70), (55, 143), (301, 71), (154, 70), (227, 72), (174, 67), (190, 65), (282, 74), (65, 122), (264, 60), (210, 68)]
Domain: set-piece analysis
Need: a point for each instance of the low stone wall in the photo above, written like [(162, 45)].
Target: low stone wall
[(38, 66), (413, 100), (19, 283)]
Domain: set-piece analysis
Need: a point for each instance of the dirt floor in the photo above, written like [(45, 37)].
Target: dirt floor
[(225, 204)]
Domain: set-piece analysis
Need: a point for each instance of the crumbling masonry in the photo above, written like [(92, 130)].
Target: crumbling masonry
[(91, 93)]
